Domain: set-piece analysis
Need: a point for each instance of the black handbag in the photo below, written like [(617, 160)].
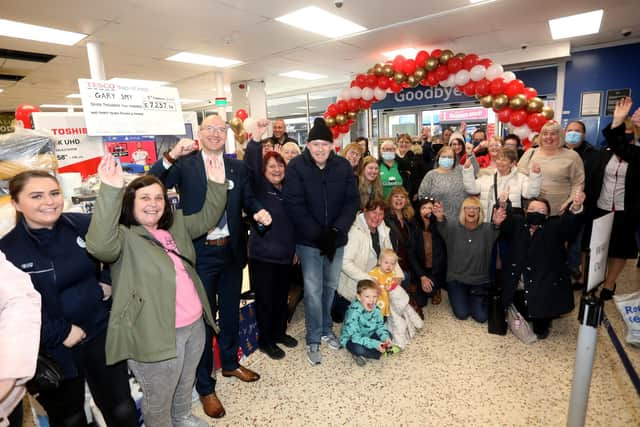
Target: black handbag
[(47, 377)]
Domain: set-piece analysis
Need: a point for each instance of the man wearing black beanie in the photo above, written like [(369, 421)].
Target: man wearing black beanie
[(321, 197)]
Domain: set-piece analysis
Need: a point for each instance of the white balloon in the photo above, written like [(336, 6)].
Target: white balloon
[(477, 72), (522, 131), (494, 71), (451, 80), (380, 94), (462, 77), (345, 94), (355, 92), (367, 94), (508, 76)]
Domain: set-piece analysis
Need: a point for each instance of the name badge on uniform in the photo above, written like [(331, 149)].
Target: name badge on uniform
[(230, 185), (81, 243)]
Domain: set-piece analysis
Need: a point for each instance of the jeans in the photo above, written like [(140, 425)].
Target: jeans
[(320, 282), (167, 385), (270, 282), (109, 387), (222, 279), (468, 300), (360, 350)]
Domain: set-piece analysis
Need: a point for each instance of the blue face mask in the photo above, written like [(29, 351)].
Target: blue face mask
[(573, 137), (388, 156), (445, 162)]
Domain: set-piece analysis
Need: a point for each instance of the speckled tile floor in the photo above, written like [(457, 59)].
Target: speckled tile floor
[(453, 373)]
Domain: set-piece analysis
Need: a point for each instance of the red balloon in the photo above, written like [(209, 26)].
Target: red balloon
[(241, 114), (353, 83), (442, 72), (424, 82), (23, 113), (342, 106), (432, 79), (365, 104), (405, 85), (361, 81), (470, 88), (469, 61), (497, 86), (518, 117), (372, 80), (535, 121), (383, 82), (486, 62), (530, 92), (454, 65), (335, 132), (514, 87), (421, 58), (343, 128), (332, 110), (436, 53), (409, 66), (504, 115), (353, 104), (483, 87), (395, 86), (398, 63)]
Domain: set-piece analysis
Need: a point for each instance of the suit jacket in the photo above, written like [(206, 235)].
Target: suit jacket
[(189, 177)]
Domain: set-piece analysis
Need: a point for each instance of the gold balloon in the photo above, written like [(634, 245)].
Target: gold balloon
[(352, 115), (535, 105), (518, 102), (341, 119), (500, 101), (547, 112), (236, 125), (460, 55), (419, 74), (399, 77), (330, 121), (445, 56), (387, 70), (486, 101), (378, 69), (371, 71), (412, 81), (431, 64)]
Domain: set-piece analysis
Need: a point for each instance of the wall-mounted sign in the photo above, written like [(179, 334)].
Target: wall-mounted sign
[(126, 109), (464, 114), (590, 103), (613, 96)]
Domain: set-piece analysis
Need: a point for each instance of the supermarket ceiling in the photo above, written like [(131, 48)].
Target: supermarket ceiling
[(138, 35)]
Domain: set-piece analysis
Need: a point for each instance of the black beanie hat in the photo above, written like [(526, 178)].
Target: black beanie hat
[(320, 130)]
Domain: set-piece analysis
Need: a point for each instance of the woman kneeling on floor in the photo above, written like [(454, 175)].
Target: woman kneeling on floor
[(471, 239)]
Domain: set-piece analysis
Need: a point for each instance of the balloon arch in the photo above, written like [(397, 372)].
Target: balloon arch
[(495, 88)]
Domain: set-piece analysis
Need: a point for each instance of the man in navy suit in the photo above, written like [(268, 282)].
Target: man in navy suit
[(222, 253)]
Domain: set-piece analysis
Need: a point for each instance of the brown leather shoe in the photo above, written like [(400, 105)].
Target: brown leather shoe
[(436, 298), (212, 406), (243, 374)]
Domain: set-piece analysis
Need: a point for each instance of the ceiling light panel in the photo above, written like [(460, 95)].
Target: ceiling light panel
[(196, 58), (318, 21), (407, 52), (581, 24), (37, 33), (303, 75)]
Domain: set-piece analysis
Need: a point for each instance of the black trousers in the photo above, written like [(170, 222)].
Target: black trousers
[(270, 281), (109, 387), (540, 325)]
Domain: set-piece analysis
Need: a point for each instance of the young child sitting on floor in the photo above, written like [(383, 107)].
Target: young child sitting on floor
[(384, 274), (363, 331)]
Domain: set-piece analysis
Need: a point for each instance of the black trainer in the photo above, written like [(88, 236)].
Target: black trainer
[(287, 341), (273, 351)]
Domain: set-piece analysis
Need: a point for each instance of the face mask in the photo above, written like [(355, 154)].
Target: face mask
[(573, 137), (536, 218), (436, 147), (388, 156), (445, 162)]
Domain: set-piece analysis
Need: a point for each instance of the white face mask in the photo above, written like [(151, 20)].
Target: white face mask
[(388, 156)]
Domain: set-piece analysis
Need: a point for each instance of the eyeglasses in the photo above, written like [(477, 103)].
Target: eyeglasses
[(428, 199), (215, 129)]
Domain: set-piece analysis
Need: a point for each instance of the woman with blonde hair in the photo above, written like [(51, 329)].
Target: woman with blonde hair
[(369, 182), (562, 168), (289, 150), (471, 240), (353, 153)]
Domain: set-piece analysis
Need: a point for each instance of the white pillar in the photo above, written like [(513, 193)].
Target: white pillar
[(222, 110), (96, 62)]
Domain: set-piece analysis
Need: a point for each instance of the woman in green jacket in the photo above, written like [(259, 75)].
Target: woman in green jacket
[(158, 300)]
